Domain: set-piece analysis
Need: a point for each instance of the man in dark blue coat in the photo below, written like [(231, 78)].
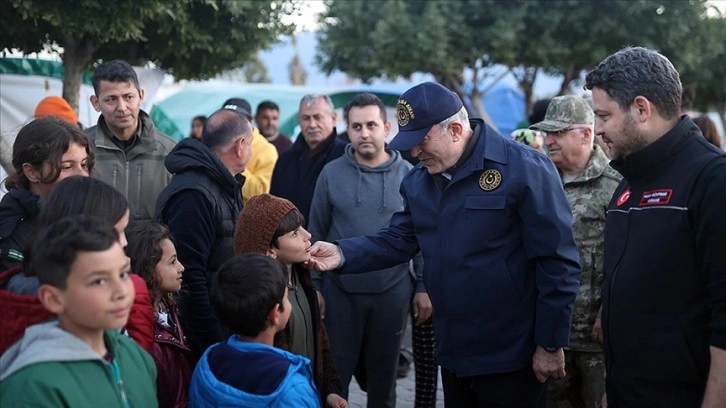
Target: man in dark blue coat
[(500, 262)]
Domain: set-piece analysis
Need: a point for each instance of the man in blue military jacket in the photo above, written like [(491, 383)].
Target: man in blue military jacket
[(500, 263)]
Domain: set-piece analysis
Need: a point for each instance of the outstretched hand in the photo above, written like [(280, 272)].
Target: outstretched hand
[(324, 256)]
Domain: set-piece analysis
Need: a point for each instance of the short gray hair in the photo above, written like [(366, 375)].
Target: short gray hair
[(309, 99), (462, 116)]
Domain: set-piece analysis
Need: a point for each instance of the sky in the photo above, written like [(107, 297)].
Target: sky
[(307, 18)]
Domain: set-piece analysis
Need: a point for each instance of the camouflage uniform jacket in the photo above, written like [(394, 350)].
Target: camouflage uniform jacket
[(589, 195)]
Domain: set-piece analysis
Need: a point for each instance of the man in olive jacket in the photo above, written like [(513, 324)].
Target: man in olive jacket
[(129, 150)]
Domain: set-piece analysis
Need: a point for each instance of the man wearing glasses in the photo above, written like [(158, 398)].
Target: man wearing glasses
[(589, 183)]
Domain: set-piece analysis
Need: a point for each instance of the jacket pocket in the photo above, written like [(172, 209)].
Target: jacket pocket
[(486, 202), (485, 217)]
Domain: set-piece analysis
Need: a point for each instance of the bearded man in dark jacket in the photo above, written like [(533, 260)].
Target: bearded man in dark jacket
[(664, 288)]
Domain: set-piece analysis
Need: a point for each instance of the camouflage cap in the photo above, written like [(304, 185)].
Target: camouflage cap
[(565, 111)]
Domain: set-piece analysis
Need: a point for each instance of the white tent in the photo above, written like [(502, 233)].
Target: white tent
[(24, 82)]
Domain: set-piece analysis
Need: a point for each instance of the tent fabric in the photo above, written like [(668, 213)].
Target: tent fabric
[(174, 114), (37, 67), (21, 93), (26, 81), (505, 106)]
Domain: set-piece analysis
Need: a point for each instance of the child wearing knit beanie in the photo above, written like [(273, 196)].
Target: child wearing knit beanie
[(58, 107), (275, 227)]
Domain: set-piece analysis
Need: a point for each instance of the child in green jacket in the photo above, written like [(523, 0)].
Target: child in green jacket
[(79, 360)]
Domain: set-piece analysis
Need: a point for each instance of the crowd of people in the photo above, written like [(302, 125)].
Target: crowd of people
[(575, 263)]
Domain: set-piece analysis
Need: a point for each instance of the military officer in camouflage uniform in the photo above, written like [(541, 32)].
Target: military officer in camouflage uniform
[(589, 183)]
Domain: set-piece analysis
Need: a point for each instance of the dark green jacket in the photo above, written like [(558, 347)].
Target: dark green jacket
[(50, 367), (139, 172)]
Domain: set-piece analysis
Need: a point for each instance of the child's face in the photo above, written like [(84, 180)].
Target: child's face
[(169, 269), (98, 294), (121, 229), (293, 247)]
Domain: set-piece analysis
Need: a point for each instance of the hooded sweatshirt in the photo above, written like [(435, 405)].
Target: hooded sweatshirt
[(200, 206), (50, 367), (279, 378), (353, 199)]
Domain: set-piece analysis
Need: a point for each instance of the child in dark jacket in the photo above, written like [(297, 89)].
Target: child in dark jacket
[(153, 257), (250, 296), (80, 359)]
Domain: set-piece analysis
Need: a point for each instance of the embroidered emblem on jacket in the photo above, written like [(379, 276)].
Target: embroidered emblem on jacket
[(490, 179)]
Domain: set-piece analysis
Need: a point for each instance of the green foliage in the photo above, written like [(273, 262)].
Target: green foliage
[(707, 70), (190, 38), (448, 39), (392, 38), (31, 24), (197, 39)]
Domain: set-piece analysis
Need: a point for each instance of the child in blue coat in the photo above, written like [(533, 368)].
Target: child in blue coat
[(250, 295)]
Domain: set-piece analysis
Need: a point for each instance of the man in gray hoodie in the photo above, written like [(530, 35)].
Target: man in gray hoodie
[(356, 194)]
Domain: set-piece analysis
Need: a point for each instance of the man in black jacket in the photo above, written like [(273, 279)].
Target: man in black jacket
[(297, 170), (664, 293), (200, 206)]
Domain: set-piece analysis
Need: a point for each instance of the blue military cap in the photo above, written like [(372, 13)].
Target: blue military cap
[(419, 109)]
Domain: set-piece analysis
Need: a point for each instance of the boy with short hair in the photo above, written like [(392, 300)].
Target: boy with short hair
[(80, 359), (250, 295)]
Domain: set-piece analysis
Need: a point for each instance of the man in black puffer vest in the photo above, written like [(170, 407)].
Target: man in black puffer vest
[(664, 291), (200, 206)]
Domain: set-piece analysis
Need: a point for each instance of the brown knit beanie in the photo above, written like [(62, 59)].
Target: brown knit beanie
[(258, 221)]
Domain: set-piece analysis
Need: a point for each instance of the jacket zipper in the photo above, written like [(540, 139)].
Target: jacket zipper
[(612, 291), (138, 183), (127, 178), (116, 373)]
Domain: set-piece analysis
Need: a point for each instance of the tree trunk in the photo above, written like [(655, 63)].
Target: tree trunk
[(77, 54), (472, 101), (6, 155), (569, 75), (525, 80), (137, 56)]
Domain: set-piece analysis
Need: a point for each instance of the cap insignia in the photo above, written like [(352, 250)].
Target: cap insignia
[(404, 112)]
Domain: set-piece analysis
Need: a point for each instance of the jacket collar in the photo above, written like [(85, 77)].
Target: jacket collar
[(144, 133), (488, 144), (301, 145), (654, 157), (596, 165)]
